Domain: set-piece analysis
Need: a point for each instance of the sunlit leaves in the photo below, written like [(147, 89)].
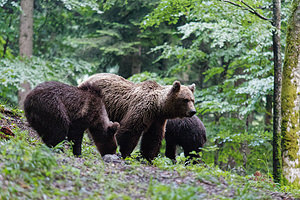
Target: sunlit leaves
[(235, 45), (37, 70), (168, 11), (256, 87), (185, 56), (243, 99), (6, 2), (76, 4)]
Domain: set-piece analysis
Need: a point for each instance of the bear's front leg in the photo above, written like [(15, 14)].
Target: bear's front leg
[(128, 135), (75, 135), (151, 140), (127, 140), (170, 149)]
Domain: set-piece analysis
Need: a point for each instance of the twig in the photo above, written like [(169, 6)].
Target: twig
[(248, 8), (235, 4)]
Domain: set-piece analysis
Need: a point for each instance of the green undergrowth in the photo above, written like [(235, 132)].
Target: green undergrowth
[(161, 191), (30, 170)]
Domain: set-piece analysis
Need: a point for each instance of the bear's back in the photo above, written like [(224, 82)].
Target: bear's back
[(50, 96), (116, 91), (185, 129), (121, 95), (46, 95)]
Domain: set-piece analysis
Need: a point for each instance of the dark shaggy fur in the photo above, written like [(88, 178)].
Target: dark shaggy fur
[(142, 109), (189, 133), (58, 111)]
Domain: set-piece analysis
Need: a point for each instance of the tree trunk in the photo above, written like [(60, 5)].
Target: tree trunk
[(26, 28), (277, 160), (136, 62), (130, 65), (25, 42), (268, 115), (291, 100), (125, 66)]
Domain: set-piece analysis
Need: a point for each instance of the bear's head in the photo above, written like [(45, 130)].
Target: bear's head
[(107, 144), (180, 100)]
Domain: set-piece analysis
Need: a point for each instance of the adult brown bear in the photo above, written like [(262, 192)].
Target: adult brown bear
[(142, 109), (188, 132), (58, 111)]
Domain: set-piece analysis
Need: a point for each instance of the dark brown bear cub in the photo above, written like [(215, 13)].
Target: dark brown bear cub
[(189, 133), (58, 111)]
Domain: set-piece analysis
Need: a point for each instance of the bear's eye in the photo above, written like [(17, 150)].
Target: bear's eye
[(186, 100)]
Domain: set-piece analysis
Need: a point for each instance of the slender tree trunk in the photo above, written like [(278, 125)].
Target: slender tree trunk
[(25, 42), (277, 160), (268, 115), (185, 78), (291, 100), (26, 28), (201, 77), (136, 64), (125, 66)]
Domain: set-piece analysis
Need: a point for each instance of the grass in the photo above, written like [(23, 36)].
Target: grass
[(30, 170)]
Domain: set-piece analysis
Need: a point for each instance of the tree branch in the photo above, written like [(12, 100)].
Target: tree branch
[(235, 4), (248, 8), (256, 13)]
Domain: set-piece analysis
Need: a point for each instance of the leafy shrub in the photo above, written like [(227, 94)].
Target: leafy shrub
[(25, 162), (13, 72), (238, 149), (144, 76)]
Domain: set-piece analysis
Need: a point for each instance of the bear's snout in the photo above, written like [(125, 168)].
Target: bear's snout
[(191, 113)]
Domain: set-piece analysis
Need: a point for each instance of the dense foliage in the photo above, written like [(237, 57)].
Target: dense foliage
[(227, 50), (224, 49)]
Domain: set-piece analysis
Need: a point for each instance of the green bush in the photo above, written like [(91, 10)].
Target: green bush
[(233, 148), (25, 162), (35, 70)]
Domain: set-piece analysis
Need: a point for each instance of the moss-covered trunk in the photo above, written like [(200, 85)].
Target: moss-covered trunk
[(291, 100), (277, 159)]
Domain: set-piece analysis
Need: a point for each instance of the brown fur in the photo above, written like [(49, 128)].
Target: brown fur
[(188, 132), (58, 111), (142, 109)]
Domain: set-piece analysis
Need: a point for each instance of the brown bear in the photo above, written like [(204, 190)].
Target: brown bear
[(58, 111), (188, 132), (142, 109)]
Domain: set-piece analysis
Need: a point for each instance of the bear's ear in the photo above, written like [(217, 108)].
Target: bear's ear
[(192, 87), (176, 87)]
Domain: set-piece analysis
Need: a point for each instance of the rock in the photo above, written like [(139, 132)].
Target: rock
[(112, 158)]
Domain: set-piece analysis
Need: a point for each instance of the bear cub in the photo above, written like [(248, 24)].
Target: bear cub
[(188, 132), (58, 111)]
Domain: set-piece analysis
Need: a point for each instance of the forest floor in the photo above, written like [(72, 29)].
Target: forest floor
[(30, 170)]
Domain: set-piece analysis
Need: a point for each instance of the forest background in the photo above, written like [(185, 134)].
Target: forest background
[(224, 49)]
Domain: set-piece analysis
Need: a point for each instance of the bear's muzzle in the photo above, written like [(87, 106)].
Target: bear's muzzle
[(191, 113)]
